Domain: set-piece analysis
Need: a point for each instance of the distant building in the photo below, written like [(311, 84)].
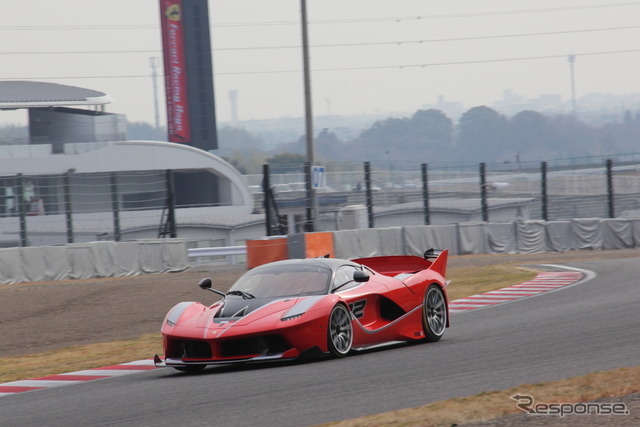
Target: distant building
[(80, 161)]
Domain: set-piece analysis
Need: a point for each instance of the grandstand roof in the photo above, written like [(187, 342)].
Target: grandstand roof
[(27, 94)]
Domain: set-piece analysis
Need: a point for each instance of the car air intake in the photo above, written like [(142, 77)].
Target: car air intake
[(266, 345), (194, 349)]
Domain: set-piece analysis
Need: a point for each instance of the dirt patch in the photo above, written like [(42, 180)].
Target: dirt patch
[(36, 317)]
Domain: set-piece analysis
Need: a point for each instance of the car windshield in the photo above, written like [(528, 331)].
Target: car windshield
[(284, 281)]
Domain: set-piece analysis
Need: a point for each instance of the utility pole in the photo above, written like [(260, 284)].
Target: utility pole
[(313, 202), (153, 62), (572, 59)]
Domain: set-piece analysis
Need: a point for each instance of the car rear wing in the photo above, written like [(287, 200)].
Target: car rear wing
[(432, 253), (394, 265)]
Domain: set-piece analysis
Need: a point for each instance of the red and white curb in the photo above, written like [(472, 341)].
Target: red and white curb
[(77, 377), (543, 282)]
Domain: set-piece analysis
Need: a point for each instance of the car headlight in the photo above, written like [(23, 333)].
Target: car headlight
[(294, 316), (301, 307)]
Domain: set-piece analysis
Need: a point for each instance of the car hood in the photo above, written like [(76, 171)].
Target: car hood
[(237, 312), (235, 308)]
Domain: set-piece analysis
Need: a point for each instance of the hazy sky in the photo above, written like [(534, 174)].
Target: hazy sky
[(367, 56)]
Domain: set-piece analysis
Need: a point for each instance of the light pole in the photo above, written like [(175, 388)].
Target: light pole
[(153, 62)]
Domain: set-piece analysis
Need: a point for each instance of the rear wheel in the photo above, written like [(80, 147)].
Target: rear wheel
[(434, 313), (340, 334)]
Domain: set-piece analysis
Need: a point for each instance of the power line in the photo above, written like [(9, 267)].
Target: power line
[(327, 21), (374, 67), (334, 45), (439, 64)]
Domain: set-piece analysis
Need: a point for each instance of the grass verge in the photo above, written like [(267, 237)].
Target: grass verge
[(78, 358), (494, 404)]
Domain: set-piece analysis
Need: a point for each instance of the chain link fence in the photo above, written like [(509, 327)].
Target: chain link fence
[(41, 210), (589, 187)]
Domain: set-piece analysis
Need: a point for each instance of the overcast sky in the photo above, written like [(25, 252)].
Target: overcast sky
[(367, 56)]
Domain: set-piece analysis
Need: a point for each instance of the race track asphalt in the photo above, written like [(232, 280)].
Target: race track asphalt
[(593, 326)]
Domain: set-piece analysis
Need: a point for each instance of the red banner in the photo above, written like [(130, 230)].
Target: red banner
[(175, 70)]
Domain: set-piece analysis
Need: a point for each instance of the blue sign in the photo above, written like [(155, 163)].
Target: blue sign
[(318, 177)]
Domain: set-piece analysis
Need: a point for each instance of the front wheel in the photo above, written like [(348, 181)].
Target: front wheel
[(434, 313), (340, 333)]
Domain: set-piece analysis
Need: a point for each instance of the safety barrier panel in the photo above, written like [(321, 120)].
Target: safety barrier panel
[(116, 259), (474, 238), (93, 259)]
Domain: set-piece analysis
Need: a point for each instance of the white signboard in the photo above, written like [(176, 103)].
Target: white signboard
[(318, 177)]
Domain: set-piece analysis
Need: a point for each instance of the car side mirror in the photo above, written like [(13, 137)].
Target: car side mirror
[(205, 283), (360, 276)]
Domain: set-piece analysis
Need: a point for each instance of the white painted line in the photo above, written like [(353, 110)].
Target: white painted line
[(40, 383), (143, 362), (109, 372), (478, 300)]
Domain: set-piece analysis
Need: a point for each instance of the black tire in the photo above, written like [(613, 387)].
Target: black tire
[(190, 368), (434, 314), (340, 331)]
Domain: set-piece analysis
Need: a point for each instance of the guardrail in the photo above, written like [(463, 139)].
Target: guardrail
[(203, 256)]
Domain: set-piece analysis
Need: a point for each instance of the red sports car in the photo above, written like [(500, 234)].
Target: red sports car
[(287, 309)]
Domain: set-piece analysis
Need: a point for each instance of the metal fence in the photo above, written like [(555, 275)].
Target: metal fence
[(589, 187), (43, 210), (40, 210)]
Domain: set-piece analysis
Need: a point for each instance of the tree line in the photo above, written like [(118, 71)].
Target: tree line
[(429, 136)]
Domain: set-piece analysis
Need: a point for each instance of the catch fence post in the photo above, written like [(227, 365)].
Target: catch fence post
[(171, 205), (543, 191), (67, 205), (369, 196), (610, 198), (22, 211), (115, 205), (266, 202), (308, 225), (425, 194), (483, 192)]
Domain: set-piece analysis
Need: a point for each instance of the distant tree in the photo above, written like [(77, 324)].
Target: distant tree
[(384, 129), (481, 133), (572, 137), (12, 133), (144, 131), (247, 161), (424, 137), (432, 127), (286, 162), (619, 138), (231, 139), (529, 136), (328, 145)]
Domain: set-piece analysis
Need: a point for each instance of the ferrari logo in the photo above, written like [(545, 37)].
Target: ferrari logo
[(173, 12)]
